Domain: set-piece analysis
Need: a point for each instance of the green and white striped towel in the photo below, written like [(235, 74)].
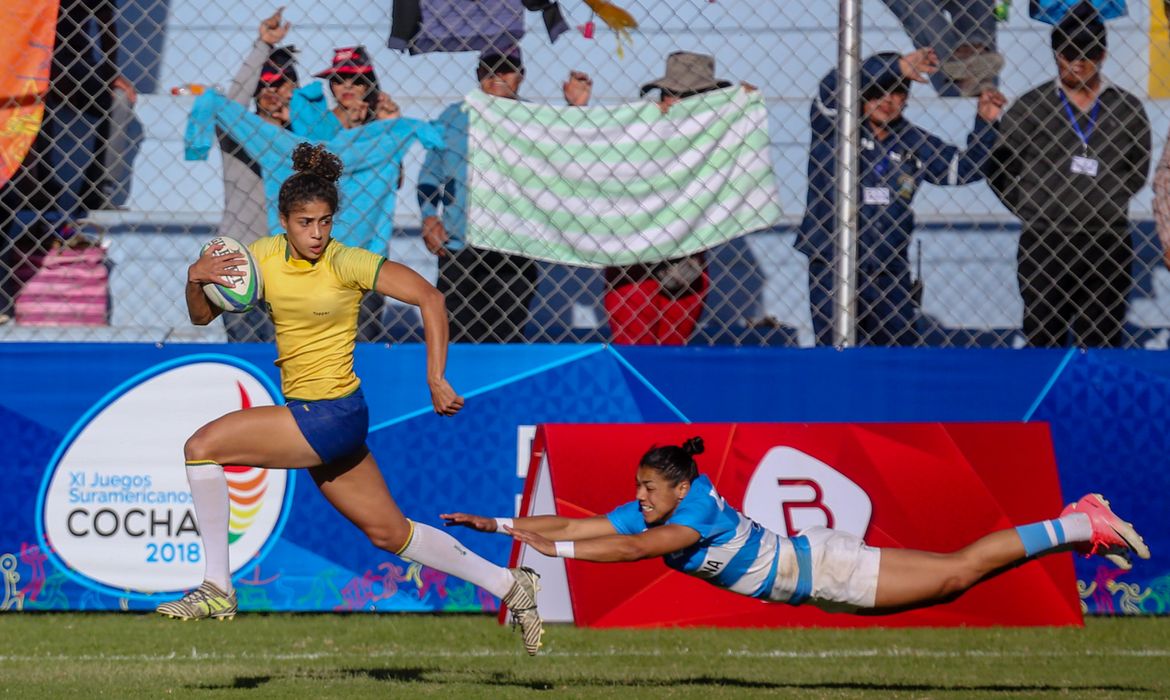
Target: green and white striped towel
[(597, 186)]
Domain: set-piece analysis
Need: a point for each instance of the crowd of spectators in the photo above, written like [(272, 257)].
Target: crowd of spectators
[(1065, 159)]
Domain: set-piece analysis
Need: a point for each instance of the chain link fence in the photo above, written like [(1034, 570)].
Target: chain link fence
[(620, 199)]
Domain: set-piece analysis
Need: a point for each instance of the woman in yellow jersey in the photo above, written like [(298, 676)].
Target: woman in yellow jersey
[(313, 288)]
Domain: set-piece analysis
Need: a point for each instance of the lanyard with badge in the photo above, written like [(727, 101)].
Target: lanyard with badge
[(878, 195), (1082, 164)]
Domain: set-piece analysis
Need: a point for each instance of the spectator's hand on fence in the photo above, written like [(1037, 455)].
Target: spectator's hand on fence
[(216, 268), (991, 104), (434, 235), (578, 88), (273, 30), (748, 87), (444, 398), (919, 65), (121, 83), (386, 107)]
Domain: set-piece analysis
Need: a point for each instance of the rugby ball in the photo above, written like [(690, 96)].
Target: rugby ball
[(247, 291)]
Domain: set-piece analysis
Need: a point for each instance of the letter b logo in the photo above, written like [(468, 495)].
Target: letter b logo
[(791, 491)]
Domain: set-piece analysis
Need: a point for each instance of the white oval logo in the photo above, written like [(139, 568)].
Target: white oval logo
[(791, 491), (116, 508)]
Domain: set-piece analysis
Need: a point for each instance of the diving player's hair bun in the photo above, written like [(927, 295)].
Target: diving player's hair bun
[(693, 446)]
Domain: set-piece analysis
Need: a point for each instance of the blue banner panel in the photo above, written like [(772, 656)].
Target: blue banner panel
[(96, 512)]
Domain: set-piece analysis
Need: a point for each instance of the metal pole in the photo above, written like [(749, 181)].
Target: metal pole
[(848, 129)]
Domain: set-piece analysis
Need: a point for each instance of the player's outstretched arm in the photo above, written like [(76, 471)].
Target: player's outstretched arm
[(657, 542), (553, 527)]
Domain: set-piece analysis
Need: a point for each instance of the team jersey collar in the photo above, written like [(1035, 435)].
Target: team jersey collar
[(298, 263)]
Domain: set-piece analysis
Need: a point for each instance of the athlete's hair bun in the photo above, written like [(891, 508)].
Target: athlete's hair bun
[(693, 446), (316, 159)]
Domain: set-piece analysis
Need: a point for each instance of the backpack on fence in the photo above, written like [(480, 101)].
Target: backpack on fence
[(72, 288), (1052, 11)]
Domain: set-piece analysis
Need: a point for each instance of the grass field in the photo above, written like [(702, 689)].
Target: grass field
[(368, 656)]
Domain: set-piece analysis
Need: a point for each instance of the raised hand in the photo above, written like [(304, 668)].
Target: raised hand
[(991, 104), (578, 88), (273, 29), (919, 65)]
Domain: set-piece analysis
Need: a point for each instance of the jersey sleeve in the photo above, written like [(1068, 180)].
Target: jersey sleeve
[(700, 509), (357, 268), (627, 519)]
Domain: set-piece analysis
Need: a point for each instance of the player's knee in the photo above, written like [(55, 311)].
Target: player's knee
[(390, 539), (199, 446)]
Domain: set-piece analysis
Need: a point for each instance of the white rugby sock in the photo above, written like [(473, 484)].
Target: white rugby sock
[(434, 548), (209, 494)]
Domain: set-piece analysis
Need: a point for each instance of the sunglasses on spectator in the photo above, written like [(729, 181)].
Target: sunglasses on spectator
[(355, 79), (1073, 53)]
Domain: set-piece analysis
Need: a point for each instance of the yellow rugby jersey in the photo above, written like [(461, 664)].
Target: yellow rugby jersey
[(314, 307)]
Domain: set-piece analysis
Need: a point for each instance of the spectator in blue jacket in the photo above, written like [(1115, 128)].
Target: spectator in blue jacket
[(895, 158)]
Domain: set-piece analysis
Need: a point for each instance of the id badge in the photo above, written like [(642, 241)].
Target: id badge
[(1083, 165), (876, 195)]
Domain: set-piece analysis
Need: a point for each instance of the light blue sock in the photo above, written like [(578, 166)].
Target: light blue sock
[(1047, 534)]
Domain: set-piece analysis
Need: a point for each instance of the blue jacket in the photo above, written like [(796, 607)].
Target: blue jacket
[(371, 156), (891, 169), (442, 181)]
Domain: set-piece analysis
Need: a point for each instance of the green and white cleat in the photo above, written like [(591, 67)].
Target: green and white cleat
[(207, 601), (521, 602)]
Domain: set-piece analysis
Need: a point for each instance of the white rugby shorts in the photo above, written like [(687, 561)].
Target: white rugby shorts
[(844, 571)]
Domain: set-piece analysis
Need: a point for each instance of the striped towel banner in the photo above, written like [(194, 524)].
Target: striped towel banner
[(598, 186)]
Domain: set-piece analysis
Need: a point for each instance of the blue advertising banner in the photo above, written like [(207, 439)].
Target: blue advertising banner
[(96, 512)]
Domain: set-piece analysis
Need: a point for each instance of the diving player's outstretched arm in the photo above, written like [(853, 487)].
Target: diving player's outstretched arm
[(554, 527), (655, 542)]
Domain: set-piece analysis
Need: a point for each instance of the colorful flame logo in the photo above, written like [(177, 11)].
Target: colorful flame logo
[(246, 487)]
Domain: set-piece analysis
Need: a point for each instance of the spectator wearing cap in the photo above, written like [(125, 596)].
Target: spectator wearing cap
[(357, 97), (358, 100), (660, 303), (896, 157), (488, 293), (1072, 153)]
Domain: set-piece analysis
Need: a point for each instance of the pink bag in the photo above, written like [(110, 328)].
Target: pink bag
[(70, 289)]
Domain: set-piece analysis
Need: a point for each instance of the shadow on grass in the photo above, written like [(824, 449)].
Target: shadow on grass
[(419, 675)]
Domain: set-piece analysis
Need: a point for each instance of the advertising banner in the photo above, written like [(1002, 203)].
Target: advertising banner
[(934, 487), (95, 513)]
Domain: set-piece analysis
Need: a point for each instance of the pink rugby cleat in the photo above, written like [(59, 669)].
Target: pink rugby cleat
[(1113, 538)]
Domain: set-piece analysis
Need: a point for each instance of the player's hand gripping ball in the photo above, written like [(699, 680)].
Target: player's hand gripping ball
[(248, 290)]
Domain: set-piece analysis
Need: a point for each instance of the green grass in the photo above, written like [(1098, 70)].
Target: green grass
[(381, 656)]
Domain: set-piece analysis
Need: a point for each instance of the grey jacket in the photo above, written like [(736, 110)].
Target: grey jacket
[(245, 216)]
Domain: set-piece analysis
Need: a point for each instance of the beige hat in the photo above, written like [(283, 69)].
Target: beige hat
[(687, 72)]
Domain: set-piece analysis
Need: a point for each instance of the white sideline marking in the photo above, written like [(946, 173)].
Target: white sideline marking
[(895, 652)]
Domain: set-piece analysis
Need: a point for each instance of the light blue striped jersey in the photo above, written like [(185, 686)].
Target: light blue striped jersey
[(733, 551)]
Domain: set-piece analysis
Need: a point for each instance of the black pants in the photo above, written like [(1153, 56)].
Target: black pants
[(1076, 283), (488, 294)]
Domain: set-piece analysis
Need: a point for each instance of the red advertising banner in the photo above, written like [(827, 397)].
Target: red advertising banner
[(929, 486)]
